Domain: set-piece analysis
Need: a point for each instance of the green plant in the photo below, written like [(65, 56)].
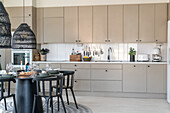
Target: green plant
[(44, 51), (132, 51)]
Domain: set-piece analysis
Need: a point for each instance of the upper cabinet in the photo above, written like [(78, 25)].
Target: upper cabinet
[(161, 22), (53, 25), (71, 24), (85, 24), (169, 11), (131, 23), (40, 25), (53, 12), (99, 24), (146, 23), (115, 23)]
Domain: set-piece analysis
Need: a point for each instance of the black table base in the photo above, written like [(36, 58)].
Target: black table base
[(25, 90)]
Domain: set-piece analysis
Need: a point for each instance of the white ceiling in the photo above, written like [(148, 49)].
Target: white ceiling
[(58, 3)]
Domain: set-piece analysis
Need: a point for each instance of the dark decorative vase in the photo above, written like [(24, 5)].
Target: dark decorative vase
[(132, 58)]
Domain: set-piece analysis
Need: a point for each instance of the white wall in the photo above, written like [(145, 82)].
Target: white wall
[(53, 3), (17, 3), (120, 51)]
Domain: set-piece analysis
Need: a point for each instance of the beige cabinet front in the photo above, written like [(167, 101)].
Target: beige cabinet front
[(99, 24), (161, 23), (53, 30), (134, 78), (71, 24), (155, 79), (146, 23), (85, 24), (115, 23), (131, 16), (53, 12)]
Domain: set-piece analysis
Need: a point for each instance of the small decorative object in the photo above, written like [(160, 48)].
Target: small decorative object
[(132, 54), (87, 59), (36, 57), (43, 53)]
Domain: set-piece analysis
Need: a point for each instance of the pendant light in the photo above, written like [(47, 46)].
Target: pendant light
[(5, 28), (24, 37)]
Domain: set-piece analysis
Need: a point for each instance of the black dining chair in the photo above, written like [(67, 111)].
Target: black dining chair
[(48, 94), (68, 83), (8, 95)]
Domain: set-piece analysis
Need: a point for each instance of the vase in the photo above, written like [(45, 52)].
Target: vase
[(132, 58), (43, 57)]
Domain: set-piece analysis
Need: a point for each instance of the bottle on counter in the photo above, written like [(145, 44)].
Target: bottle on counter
[(27, 66)]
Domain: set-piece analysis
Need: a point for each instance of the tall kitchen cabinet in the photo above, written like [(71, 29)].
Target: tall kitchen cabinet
[(134, 78), (16, 17), (71, 24), (100, 24), (53, 25), (85, 24), (115, 23), (161, 23), (146, 23), (131, 23)]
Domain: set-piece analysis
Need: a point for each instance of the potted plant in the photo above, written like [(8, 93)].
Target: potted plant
[(132, 54), (43, 53)]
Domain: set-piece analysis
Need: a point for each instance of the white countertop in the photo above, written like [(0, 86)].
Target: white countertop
[(99, 62)]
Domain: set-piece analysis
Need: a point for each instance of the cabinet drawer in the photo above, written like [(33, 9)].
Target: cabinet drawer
[(75, 66), (106, 86), (82, 74), (82, 85), (53, 12), (106, 66), (106, 74), (53, 66)]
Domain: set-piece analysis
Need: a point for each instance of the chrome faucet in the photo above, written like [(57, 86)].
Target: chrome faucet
[(109, 51)]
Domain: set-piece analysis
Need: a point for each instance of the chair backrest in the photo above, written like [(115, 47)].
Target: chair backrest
[(44, 86), (3, 81), (68, 80)]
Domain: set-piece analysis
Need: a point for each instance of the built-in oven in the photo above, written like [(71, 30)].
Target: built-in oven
[(19, 56)]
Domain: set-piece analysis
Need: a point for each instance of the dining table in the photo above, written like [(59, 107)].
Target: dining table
[(25, 90)]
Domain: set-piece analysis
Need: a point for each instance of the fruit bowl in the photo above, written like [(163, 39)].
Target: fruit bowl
[(87, 59)]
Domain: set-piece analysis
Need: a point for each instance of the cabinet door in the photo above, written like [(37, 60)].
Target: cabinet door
[(131, 23), (53, 30), (71, 24), (115, 23), (82, 85), (146, 23), (53, 12), (169, 11), (134, 78), (99, 23), (161, 22), (85, 24), (16, 12), (39, 25), (155, 78)]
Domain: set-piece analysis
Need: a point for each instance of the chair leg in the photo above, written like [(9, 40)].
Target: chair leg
[(63, 104), (15, 106), (58, 103), (51, 104), (74, 98), (5, 103), (47, 100), (67, 96), (33, 109)]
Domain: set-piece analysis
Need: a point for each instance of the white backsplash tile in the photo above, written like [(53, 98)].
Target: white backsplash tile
[(119, 50)]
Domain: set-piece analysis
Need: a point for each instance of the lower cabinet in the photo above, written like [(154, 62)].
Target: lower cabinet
[(144, 78), (112, 86), (155, 79), (134, 78)]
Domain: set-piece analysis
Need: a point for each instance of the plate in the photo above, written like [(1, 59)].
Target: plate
[(43, 75), (6, 75)]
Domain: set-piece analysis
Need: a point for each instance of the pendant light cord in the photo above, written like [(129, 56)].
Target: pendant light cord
[(24, 11)]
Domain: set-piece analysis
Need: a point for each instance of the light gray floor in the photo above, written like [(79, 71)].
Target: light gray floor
[(122, 105)]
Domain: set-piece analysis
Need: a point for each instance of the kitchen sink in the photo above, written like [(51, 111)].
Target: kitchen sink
[(108, 61)]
